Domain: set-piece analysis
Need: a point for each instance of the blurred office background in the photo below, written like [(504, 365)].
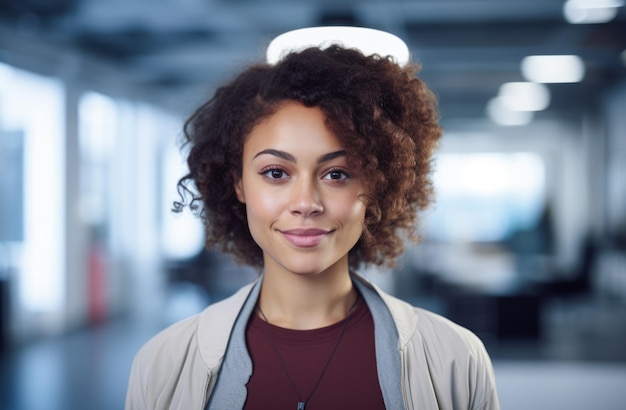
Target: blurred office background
[(526, 244)]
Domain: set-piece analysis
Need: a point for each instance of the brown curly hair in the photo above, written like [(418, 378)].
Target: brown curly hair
[(384, 116)]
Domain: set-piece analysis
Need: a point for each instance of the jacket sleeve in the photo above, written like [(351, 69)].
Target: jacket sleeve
[(454, 362), (482, 380), (135, 394), (161, 364)]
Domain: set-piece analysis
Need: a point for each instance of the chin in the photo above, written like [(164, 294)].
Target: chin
[(308, 266), (306, 270)]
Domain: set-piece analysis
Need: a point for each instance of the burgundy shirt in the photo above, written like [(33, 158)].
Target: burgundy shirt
[(350, 381)]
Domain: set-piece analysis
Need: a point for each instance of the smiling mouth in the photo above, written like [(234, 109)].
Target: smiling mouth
[(305, 238)]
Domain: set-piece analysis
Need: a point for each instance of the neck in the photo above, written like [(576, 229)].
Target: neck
[(306, 301)]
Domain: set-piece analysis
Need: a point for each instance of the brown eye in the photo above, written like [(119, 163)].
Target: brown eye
[(336, 174), (274, 173)]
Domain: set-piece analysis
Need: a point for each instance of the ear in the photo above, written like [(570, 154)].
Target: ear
[(239, 190)]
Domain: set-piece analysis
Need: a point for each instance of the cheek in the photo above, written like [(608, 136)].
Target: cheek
[(257, 220), (264, 202), (353, 212), (262, 206), (359, 214)]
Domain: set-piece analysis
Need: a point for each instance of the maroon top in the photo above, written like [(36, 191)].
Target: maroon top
[(350, 382)]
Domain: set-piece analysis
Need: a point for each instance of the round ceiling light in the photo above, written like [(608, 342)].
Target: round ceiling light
[(368, 41)]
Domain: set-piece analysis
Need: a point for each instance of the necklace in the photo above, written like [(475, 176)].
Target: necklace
[(302, 403)]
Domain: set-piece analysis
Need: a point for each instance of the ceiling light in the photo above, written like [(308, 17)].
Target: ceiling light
[(520, 96), (366, 40), (501, 114), (553, 69), (591, 11), (6, 74)]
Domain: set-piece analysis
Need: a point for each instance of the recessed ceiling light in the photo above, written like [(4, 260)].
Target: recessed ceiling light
[(521, 96), (6, 73), (591, 11), (366, 40), (553, 69), (501, 114)]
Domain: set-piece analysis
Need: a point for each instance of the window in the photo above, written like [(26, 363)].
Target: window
[(484, 197)]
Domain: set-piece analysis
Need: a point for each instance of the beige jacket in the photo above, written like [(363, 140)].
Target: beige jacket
[(443, 366)]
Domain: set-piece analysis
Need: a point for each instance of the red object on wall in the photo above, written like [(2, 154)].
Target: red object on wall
[(97, 284)]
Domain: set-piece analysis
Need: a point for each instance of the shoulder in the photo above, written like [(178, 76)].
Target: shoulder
[(456, 360), (159, 363), (189, 349), (166, 348), (427, 328), (170, 345), (439, 337), (437, 329), (440, 353)]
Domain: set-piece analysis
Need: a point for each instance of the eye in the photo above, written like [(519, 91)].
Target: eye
[(336, 174), (274, 173)]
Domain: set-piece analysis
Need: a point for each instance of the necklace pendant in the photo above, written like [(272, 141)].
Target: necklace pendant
[(300, 405)]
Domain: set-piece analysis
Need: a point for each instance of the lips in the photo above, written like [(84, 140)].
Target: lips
[(305, 238)]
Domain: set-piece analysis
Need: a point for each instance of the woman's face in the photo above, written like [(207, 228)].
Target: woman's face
[(302, 200)]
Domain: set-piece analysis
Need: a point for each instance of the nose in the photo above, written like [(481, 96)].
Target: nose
[(306, 199)]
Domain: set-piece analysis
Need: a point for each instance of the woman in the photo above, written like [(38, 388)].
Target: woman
[(310, 169)]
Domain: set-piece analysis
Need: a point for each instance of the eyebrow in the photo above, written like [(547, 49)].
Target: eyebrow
[(288, 157)]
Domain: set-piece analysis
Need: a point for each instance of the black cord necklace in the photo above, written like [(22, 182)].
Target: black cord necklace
[(302, 403)]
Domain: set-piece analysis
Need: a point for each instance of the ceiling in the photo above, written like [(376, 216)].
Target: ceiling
[(177, 51)]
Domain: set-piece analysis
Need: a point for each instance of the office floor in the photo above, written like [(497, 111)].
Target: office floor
[(87, 369), (580, 365)]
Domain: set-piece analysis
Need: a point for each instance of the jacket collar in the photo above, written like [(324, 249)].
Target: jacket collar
[(402, 312), (217, 321)]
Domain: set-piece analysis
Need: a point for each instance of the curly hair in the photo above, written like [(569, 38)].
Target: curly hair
[(385, 117)]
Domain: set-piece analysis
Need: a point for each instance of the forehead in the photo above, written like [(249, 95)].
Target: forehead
[(293, 126)]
